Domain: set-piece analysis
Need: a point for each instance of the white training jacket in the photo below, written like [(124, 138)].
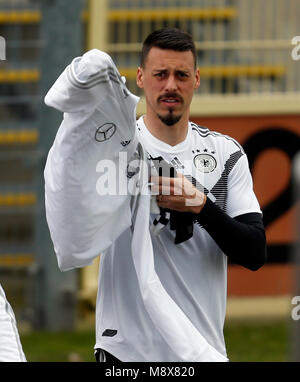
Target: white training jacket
[(100, 121), (10, 345)]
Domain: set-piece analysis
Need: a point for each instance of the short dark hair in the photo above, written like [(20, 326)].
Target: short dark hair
[(168, 39)]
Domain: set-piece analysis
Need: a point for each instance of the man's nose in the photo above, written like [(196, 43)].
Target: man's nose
[(171, 84)]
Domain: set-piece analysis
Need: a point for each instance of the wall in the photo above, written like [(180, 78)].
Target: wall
[(271, 143)]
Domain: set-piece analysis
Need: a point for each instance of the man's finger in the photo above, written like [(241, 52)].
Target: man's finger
[(176, 203), (162, 180), (160, 189)]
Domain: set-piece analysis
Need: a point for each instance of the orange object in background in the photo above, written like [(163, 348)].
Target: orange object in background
[(271, 143)]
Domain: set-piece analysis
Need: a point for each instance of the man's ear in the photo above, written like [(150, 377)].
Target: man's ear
[(140, 78), (197, 79)]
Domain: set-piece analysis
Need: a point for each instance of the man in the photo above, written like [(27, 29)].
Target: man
[(10, 345), (162, 283)]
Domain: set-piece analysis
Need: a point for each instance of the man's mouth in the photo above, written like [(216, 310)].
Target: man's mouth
[(170, 100)]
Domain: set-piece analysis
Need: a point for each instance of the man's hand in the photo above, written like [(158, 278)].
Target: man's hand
[(177, 194)]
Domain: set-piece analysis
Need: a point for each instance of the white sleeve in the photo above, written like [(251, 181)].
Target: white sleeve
[(85, 83), (99, 122), (10, 345), (241, 197)]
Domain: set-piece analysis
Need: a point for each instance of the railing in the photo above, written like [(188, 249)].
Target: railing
[(244, 46), (19, 152), (25, 138), (19, 135)]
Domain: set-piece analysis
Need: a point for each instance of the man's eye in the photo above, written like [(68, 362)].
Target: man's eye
[(182, 74), (159, 75)]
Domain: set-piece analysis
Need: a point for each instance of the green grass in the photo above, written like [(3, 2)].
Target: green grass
[(59, 346), (246, 342), (257, 341)]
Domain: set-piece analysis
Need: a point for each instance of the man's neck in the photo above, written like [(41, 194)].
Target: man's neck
[(172, 135)]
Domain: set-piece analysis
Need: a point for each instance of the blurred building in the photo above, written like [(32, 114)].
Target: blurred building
[(250, 90)]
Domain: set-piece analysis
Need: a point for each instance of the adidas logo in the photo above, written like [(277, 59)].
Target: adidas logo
[(125, 143)]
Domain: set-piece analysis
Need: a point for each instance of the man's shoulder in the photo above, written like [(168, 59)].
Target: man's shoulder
[(215, 136)]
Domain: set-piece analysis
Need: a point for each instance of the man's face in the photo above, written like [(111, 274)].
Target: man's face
[(169, 79)]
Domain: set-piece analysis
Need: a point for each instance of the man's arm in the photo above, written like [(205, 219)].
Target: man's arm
[(241, 238)]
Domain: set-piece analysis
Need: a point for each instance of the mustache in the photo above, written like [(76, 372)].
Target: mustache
[(170, 95)]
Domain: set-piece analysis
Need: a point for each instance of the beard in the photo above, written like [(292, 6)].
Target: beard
[(169, 119)]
